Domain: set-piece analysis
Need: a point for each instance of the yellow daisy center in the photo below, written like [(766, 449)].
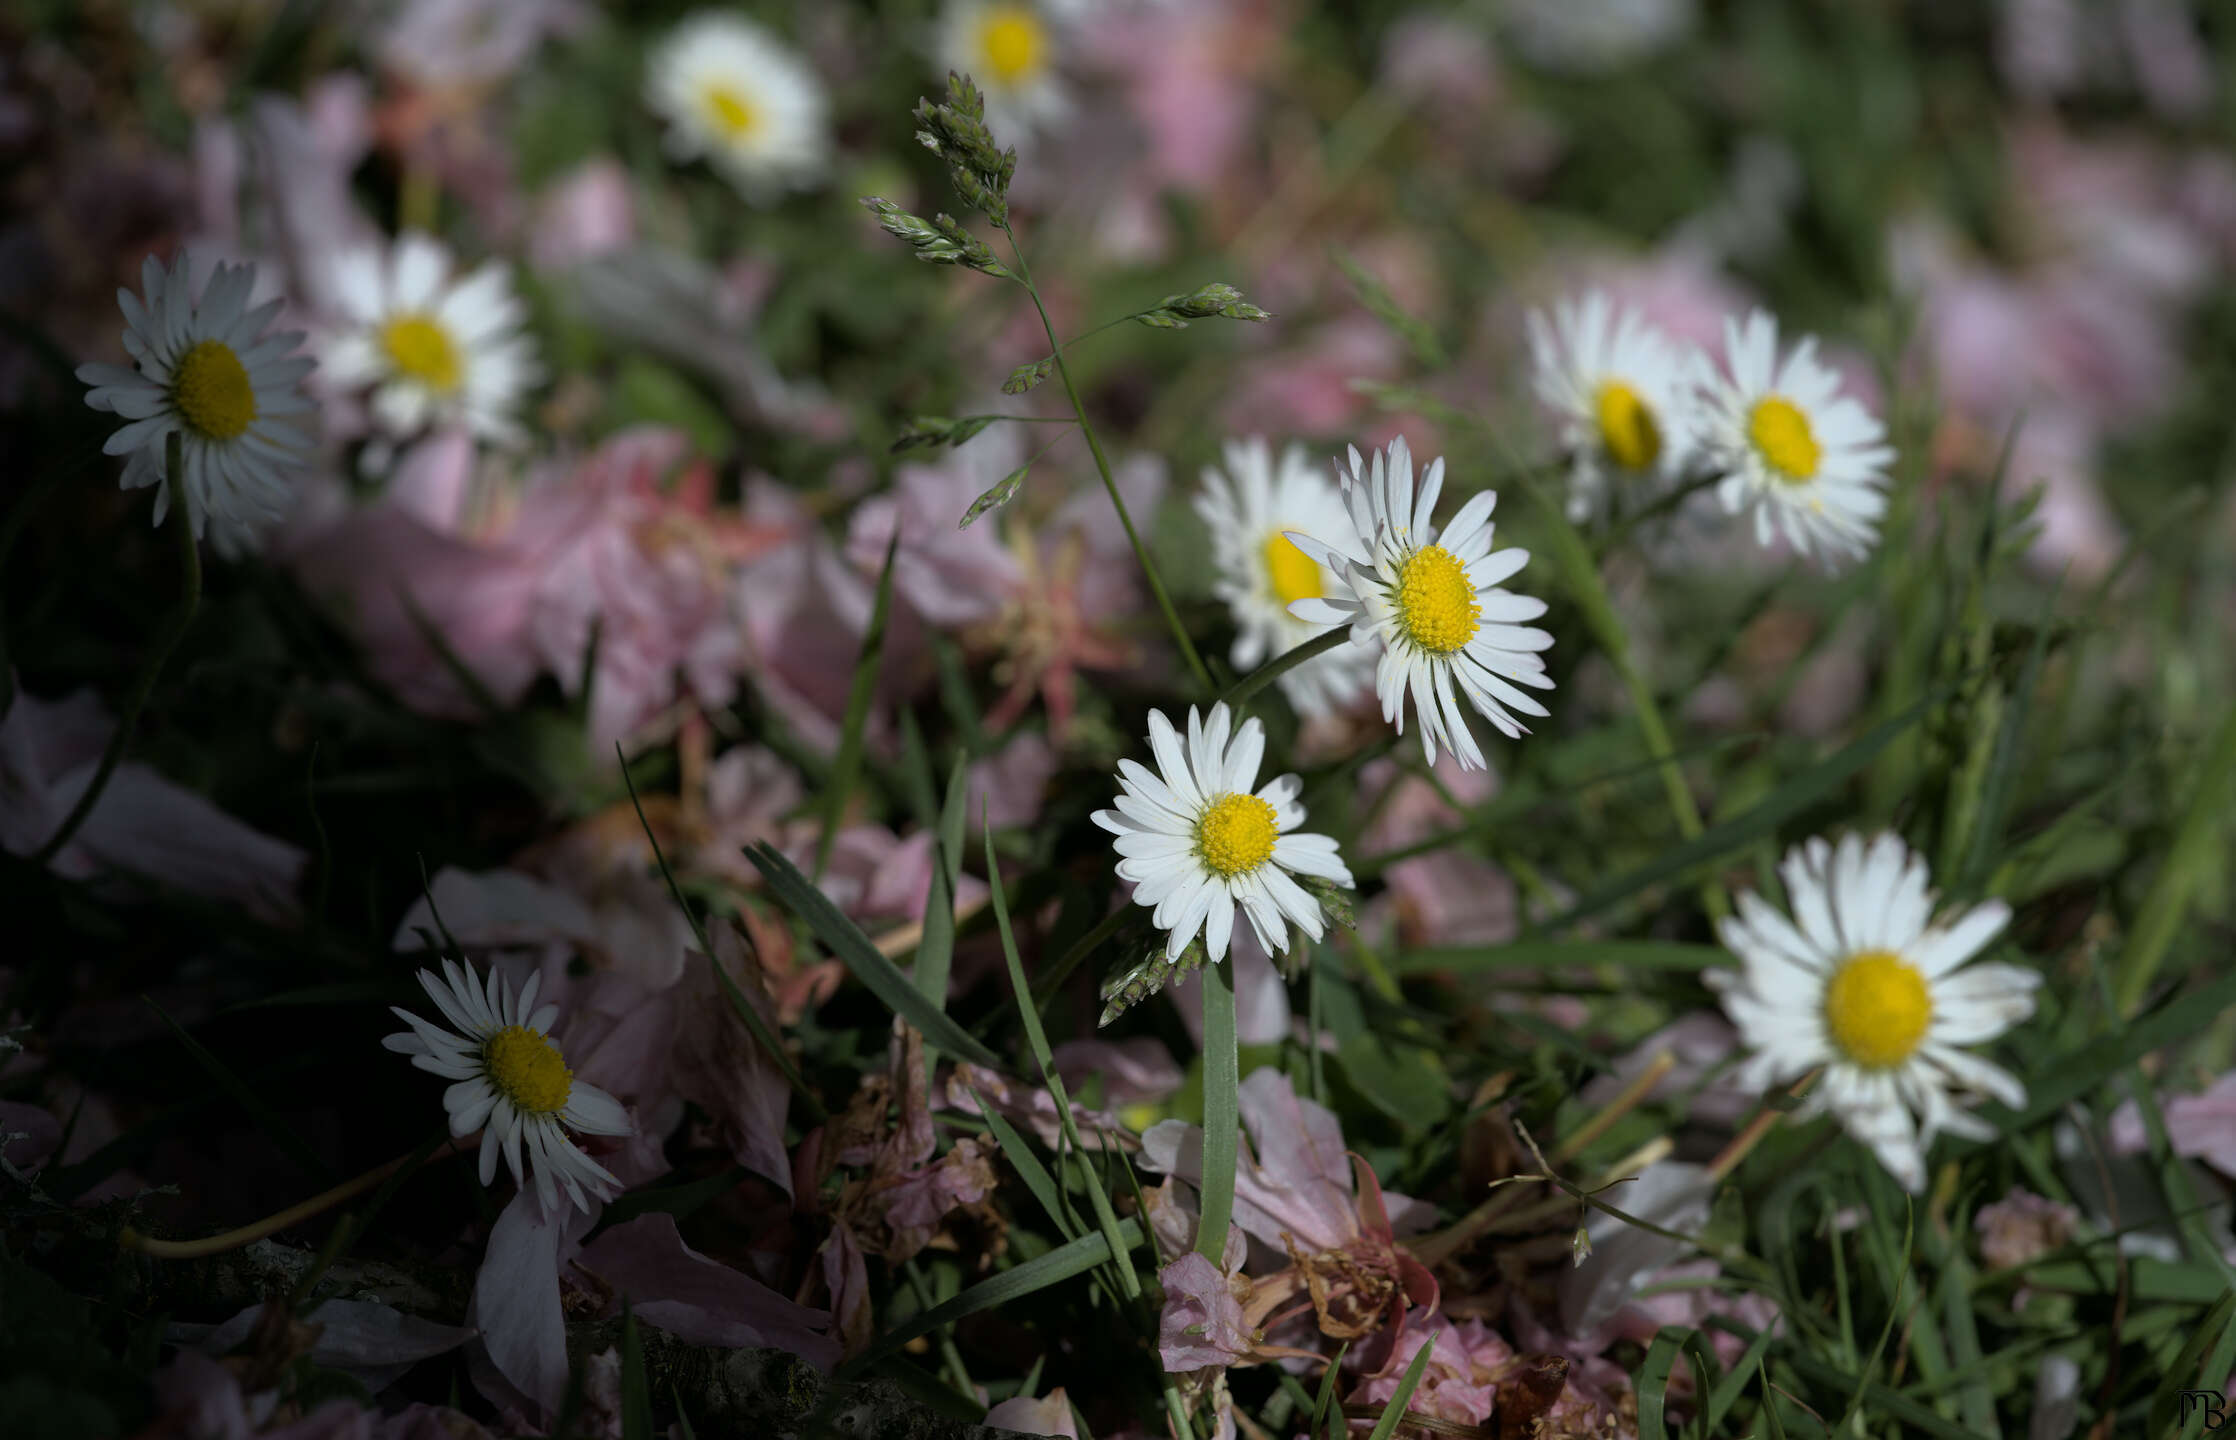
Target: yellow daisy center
[(1626, 426), (1877, 1008), (729, 112), (527, 1069), (422, 349), (1436, 606), (1012, 40), (211, 390), (1236, 834), (1295, 575), (1782, 436)]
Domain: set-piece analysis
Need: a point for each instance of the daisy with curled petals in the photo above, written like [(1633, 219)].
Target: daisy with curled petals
[(1810, 462), (1199, 843), (431, 348), (1864, 982), (1430, 600), (1009, 49), (1618, 391), (206, 371), (1249, 508), (739, 97), (513, 1084)]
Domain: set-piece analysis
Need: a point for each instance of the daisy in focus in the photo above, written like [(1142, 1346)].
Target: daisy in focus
[(206, 370), (1617, 389), (1199, 843), (1864, 982), (738, 97), (1809, 461), (433, 349), (1249, 508), (1430, 600), (1009, 48), (513, 1084)]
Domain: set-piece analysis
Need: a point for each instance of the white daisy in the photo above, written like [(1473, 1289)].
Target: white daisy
[(736, 95), (1198, 842), (1431, 600), (1009, 48), (207, 372), (1248, 509), (513, 1084), (1809, 461), (1618, 390), (1592, 37), (1867, 986), (430, 348)]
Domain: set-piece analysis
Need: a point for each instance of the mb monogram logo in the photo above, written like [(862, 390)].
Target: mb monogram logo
[(2208, 1401)]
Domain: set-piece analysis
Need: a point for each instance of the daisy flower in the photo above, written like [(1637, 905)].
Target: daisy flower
[(1008, 48), (1248, 509), (1430, 600), (1198, 842), (736, 95), (205, 370), (1809, 461), (431, 348), (1864, 982), (1617, 389), (513, 1084)]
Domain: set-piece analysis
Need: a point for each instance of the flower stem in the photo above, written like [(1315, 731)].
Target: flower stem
[(1590, 593), (174, 630), (1102, 467), (295, 1214)]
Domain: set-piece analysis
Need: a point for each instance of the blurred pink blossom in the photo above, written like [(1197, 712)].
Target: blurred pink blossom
[(1202, 1323), (1050, 1414), (2201, 1126), (2023, 1226), (141, 826), (585, 213)]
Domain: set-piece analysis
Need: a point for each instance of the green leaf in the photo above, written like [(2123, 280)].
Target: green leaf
[(1074, 1258), (935, 951), (846, 768), (2194, 860), (1222, 1111), (853, 949)]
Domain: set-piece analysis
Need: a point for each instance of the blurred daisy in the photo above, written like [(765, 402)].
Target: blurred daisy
[(432, 349), (1617, 388), (1867, 985), (1431, 600), (1199, 843), (1261, 572), (1809, 461), (736, 95), (1009, 47), (513, 1084), (206, 371)]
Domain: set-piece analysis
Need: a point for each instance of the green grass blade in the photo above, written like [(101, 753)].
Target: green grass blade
[(758, 1027), (1394, 1412), (2003, 762), (1060, 1264), (846, 767), (1652, 1385), (935, 952), (636, 1394), (2189, 1365), (1726, 836), (1555, 954), (1222, 1085), (853, 949), (1028, 1167), (2066, 1078), (267, 1119), (1325, 1413), (2192, 861), (1128, 1282)]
